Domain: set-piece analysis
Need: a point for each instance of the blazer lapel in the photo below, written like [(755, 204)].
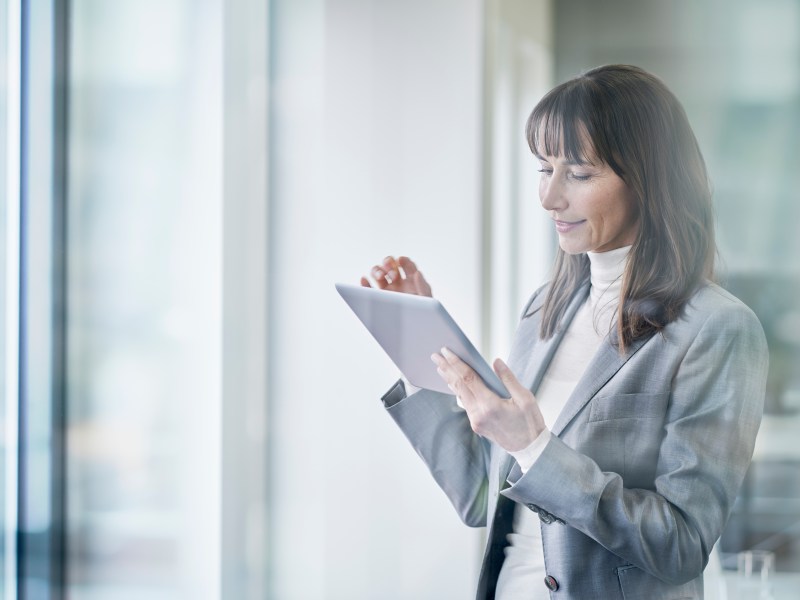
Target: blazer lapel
[(530, 356), (605, 364), (531, 372)]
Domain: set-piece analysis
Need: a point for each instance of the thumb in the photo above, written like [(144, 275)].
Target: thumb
[(508, 378)]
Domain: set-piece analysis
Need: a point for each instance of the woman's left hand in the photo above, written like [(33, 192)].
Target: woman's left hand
[(513, 423)]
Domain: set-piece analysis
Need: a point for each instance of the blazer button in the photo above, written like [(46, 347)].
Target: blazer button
[(551, 583), (546, 517)]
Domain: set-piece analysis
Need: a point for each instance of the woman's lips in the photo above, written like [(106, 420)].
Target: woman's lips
[(567, 226)]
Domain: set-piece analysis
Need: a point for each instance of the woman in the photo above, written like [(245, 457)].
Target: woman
[(636, 383)]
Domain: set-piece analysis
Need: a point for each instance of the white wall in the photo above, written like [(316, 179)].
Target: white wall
[(375, 150)]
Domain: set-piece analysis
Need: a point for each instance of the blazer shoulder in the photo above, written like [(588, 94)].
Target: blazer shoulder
[(713, 303)]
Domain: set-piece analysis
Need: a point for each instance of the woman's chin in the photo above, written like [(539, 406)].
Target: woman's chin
[(571, 246)]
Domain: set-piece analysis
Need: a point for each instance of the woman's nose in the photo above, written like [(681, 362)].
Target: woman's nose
[(551, 194)]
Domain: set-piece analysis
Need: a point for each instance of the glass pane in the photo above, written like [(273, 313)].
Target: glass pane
[(144, 324)]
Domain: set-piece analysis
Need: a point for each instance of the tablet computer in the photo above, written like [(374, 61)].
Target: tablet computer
[(410, 328)]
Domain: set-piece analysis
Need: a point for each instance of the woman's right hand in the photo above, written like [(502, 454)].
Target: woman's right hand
[(398, 275)]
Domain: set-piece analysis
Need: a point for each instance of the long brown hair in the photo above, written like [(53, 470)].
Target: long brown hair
[(635, 124)]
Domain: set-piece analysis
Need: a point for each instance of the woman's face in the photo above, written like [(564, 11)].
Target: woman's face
[(592, 208)]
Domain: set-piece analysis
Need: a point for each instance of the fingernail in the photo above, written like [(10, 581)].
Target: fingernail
[(446, 352), (435, 358), (392, 275)]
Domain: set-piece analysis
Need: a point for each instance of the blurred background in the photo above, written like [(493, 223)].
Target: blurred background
[(187, 408)]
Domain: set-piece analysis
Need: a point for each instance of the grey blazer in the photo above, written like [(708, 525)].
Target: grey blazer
[(646, 460)]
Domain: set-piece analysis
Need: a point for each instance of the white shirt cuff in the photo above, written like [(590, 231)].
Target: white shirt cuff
[(410, 388), (527, 456)]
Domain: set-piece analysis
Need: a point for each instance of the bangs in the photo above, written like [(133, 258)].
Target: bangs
[(560, 125)]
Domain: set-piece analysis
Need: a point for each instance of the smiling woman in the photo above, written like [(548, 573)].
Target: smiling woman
[(621, 366), (662, 194), (592, 207)]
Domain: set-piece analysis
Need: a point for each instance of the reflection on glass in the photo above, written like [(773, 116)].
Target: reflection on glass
[(755, 572)]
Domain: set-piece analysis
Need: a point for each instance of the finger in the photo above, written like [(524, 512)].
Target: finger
[(443, 369), (365, 282), (452, 379), (522, 398), (464, 373), (407, 265), (413, 274), (514, 387), (379, 275), (391, 268)]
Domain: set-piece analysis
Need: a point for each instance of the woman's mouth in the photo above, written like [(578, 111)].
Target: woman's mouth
[(567, 226)]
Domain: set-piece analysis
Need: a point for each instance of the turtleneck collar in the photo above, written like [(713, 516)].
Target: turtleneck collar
[(606, 275)]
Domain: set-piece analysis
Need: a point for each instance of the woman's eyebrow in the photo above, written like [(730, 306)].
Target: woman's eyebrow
[(581, 161), (572, 162)]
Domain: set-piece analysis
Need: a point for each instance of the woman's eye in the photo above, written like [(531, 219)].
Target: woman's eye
[(581, 176), (546, 171)]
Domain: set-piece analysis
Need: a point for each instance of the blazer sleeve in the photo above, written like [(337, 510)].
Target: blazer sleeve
[(714, 411), (440, 432)]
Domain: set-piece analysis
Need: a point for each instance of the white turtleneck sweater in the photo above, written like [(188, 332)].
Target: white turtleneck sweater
[(523, 572)]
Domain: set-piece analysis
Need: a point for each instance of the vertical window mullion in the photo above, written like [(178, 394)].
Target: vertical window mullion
[(40, 540)]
